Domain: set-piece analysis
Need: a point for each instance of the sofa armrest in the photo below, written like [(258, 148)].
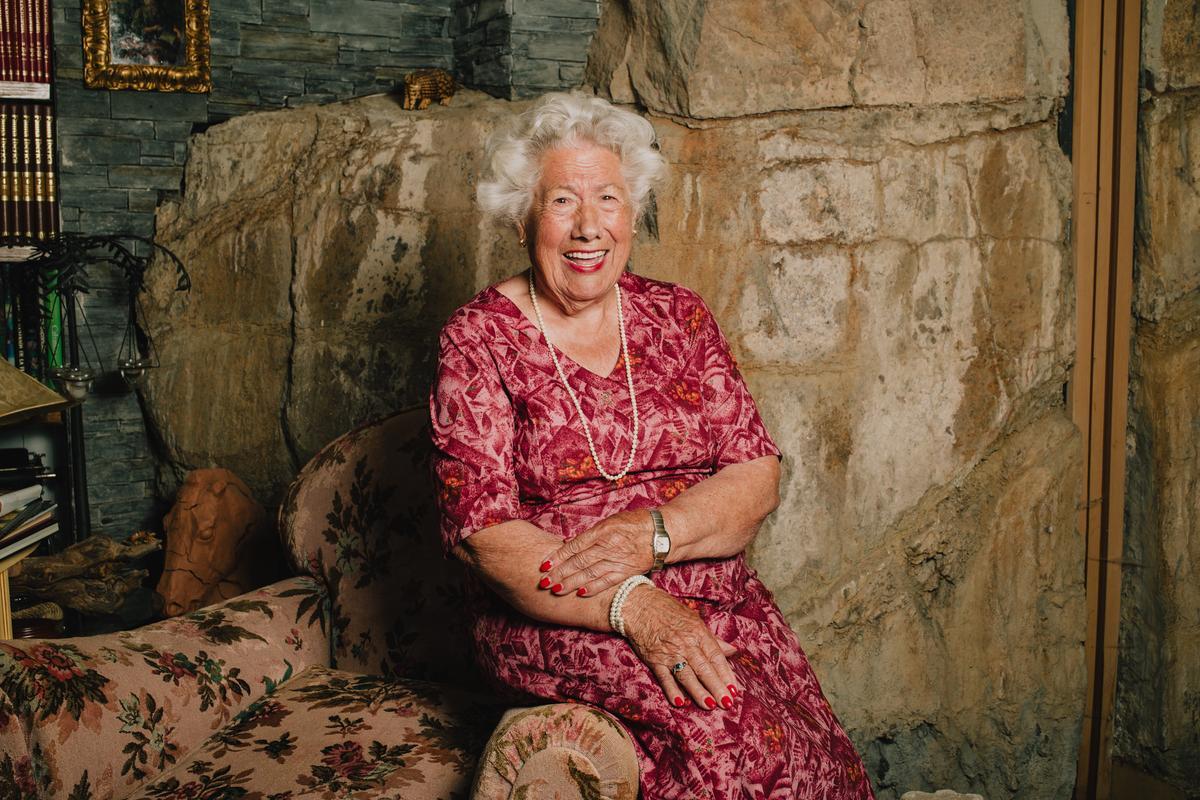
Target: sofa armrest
[(97, 715), (566, 750)]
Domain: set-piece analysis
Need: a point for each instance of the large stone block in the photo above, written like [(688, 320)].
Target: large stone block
[(724, 58), (534, 76), (785, 326), (315, 222), (172, 131), (933, 51), (1169, 220), (265, 42), (170, 106), (368, 17), (115, 222), (80, 178), (550, 45), (82, 102), (145, 176), (221, 168), (108, 199), (1170, 55), (240, 10), (425, 26), (583, 9), (91, 126), (1157, 702), (226, 424), (89, 150), (908, 611), (819, 202)]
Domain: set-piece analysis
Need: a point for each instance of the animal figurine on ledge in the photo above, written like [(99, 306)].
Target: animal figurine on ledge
[(426, 85)]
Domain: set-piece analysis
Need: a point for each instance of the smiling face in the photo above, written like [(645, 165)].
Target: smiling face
[(580, 225)]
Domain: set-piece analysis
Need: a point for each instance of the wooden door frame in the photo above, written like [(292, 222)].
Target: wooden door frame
[(1106, 61)]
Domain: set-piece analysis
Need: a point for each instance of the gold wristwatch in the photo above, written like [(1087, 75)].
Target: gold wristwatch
[(661, 540)]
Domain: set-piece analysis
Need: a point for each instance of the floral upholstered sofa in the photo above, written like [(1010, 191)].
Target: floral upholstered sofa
[(352, 679)]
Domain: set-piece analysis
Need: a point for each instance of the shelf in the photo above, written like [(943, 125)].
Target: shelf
[(21, 90), (48, 418), (14, 255)]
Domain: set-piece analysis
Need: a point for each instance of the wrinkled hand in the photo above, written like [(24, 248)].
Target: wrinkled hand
[(602, 556), (663, 632)]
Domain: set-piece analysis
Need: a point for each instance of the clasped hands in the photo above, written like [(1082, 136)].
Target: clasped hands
[(663, 631)]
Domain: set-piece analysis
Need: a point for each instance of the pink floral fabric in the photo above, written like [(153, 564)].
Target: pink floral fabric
[(508, 444), (97, 716)]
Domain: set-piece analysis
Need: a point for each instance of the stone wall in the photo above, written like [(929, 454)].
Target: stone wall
[(122, 151), (521, 48), (1157, 728), (887, 253), (119, 149)]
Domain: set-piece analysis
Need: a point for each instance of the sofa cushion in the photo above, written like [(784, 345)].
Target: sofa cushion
[(328, 733), (98, 715), (361, 518)]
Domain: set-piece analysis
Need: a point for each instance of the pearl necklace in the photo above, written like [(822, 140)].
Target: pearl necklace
[(587, 431)]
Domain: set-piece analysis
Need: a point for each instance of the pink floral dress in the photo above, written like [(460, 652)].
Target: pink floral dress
[(508, 445)]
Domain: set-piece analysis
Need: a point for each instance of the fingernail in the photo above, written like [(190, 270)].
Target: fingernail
[(545, 566), (732, 689), (544, 583), (556, 588), (708, 701), (679, 702), (581, 591), (725, 701)]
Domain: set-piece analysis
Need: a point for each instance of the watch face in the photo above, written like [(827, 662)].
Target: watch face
[(662, 543)]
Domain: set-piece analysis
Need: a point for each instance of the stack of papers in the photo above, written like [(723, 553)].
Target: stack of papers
[(25, 518)]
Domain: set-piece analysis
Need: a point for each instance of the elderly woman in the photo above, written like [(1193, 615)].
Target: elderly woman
[(591, 429)]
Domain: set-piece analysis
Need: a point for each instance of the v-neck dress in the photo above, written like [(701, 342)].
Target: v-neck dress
[(508, 444)]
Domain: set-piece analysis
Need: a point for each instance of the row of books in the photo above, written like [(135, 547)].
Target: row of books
[(28, 188), (31, 321), (26, 517), (25, 43)]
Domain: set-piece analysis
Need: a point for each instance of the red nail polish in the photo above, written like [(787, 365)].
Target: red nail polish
[(582, 591), (708, 701), (725, 701), (556, 588), (545, 566), (679, 702), (732, 689), (544, 583)]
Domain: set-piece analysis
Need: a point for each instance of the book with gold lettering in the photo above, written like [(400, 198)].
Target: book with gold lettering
[(25, 48), (28, 196)]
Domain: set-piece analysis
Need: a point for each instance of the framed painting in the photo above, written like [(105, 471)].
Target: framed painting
[(151, 45)]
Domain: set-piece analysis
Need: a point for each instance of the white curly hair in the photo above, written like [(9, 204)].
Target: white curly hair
[(564, 119)]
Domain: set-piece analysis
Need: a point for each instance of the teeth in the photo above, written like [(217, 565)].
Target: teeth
[(580, 255)]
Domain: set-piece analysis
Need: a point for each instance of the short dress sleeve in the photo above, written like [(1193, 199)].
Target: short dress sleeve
[(472, 431), (737, 430)]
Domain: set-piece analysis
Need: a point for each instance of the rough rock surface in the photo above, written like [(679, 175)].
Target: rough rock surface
[(326, 245), (1157, 705), (727, 58), (893, 277)]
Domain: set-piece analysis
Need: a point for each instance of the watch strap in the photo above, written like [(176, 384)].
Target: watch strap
[(660, 530)]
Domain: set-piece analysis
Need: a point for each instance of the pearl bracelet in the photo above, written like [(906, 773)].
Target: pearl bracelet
[(615, 620)]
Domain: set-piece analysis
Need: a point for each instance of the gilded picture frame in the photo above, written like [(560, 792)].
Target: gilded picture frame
[(148, 45)]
